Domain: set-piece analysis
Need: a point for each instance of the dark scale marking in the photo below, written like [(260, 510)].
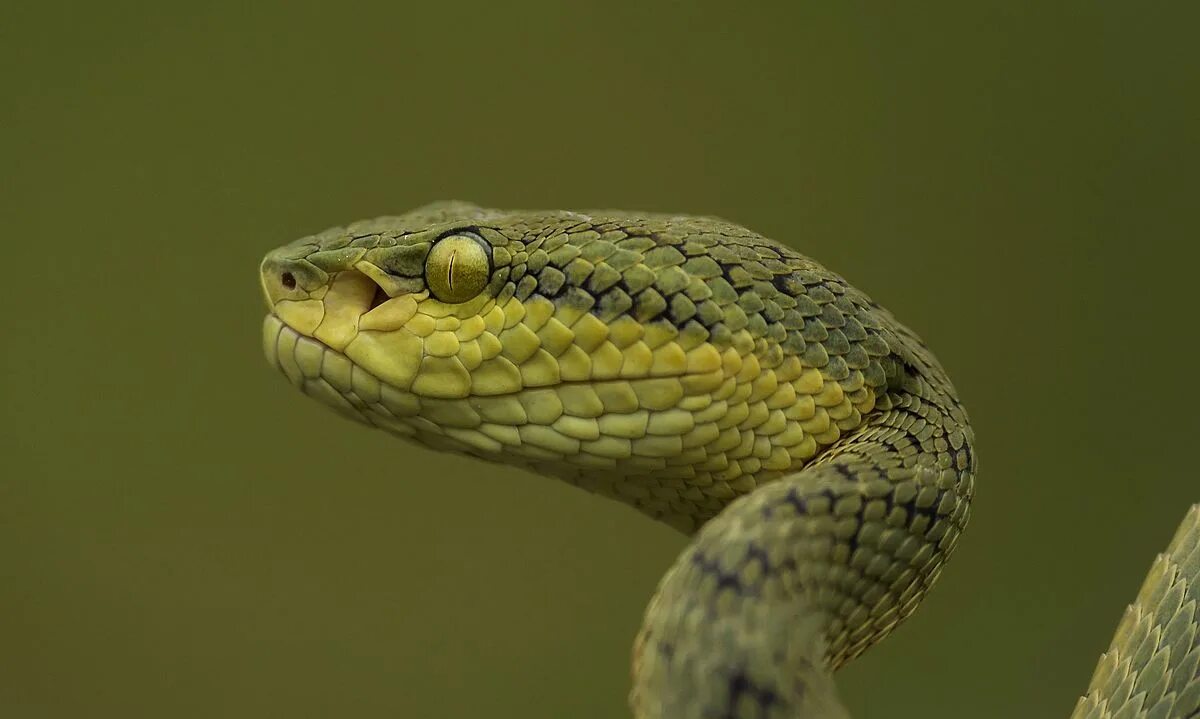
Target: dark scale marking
[(726, 579), (755, 553), (740, 685), (551, 282), (798, 502)]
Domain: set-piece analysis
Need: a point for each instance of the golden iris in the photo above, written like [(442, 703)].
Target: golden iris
[(457, 268)]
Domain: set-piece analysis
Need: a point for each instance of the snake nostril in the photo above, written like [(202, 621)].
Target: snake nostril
[(288, 280)]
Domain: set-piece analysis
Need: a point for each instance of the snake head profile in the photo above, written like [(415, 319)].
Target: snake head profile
[(671, 362)]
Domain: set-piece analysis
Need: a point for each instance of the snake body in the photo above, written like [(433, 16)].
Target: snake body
[(716, 380)]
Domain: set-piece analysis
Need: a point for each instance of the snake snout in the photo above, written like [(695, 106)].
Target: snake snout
[(281, 279)]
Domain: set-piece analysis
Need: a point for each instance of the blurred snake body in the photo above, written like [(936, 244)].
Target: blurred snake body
[(810, 444)]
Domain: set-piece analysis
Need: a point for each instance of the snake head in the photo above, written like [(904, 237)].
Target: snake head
[(392, 295), (627, 354), (453, 301)]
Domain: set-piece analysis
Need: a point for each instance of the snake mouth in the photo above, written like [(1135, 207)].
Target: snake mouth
[(521, 382), (331, 377), (564, 429), (330, 312)]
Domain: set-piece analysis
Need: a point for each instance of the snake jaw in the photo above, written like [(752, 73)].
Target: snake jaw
[(314, 315)]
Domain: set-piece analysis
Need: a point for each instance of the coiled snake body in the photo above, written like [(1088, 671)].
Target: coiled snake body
[(715, 380)]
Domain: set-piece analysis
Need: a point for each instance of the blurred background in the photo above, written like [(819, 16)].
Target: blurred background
[(183, 535)]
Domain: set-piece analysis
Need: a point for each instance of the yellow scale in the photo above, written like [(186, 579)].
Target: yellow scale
[(693, 425)]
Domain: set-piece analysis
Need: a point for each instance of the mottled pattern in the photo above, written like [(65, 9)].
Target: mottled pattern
[(711, 378)]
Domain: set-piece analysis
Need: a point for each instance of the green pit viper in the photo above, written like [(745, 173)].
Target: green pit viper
[(810, 444)]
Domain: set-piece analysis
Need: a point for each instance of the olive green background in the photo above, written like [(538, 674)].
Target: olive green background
[(183, 535)]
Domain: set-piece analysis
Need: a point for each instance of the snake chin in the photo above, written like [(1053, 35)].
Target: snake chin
[(315, 369)]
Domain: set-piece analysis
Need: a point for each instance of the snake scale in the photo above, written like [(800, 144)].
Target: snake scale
[(810, 444)]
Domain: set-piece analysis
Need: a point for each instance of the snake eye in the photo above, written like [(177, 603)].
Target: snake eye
[(288, 280), (457, 268)]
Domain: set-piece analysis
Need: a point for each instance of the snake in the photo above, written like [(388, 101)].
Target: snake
[(810, 446)]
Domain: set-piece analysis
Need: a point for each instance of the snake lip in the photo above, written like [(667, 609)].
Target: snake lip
[(295, 353)]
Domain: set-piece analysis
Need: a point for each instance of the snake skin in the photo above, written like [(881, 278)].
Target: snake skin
[(1152, 668), (711, 378)]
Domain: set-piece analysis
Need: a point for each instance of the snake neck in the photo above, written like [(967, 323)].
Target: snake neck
[(798, 577), (771, 661)]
